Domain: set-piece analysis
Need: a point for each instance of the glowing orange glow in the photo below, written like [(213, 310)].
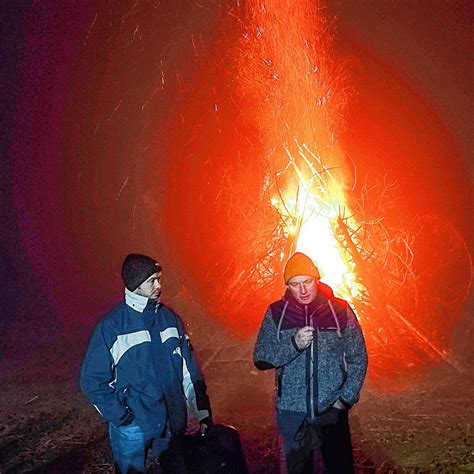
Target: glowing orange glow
[(195, 145), (310, 218), (287, 68), (287, 63), (264, 174)]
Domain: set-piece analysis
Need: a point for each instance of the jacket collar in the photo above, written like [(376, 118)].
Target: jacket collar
[(288, 313), (318, 301), (138, 302)]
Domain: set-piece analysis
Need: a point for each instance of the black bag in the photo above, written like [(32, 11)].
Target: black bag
[(219, 450)]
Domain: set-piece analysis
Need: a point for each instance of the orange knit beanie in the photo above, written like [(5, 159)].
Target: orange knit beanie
[(300, 264)]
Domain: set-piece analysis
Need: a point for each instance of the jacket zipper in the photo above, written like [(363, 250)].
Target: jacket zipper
[(311, 367)]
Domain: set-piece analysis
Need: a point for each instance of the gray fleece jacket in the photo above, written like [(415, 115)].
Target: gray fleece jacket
[(332, 368)]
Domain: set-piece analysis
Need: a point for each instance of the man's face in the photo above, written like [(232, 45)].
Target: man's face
[(304, 288), (151, 287)]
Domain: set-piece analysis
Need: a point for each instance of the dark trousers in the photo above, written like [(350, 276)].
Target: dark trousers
[(172, 459), (329, 432)]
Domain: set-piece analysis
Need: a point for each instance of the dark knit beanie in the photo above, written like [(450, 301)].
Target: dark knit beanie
[(137, 268)]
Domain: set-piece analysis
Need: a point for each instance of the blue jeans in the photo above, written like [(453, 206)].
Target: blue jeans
[(130, 445)]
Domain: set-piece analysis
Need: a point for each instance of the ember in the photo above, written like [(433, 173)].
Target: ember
[(287, 68)]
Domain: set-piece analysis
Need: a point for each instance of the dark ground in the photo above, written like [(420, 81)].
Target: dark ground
[(47, 426)]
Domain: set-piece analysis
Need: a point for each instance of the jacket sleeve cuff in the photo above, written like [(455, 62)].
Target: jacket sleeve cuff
[(125, 419), (345, 403), (295, 345), (207, 421)]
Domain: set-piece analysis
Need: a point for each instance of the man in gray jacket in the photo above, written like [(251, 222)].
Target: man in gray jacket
[(316, 345)]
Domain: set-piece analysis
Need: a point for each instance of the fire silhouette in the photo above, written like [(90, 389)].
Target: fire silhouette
[(221, 149), (286, 68)]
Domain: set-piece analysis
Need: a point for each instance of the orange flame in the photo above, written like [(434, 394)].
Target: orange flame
[(287, 68), (309, 211)]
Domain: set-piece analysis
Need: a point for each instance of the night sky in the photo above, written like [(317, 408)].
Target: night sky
[(120, 127)]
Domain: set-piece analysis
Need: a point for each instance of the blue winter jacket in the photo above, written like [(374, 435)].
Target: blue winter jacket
[(140, 361)]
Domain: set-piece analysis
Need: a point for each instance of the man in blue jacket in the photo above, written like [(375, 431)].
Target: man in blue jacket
[(315, 343), (141, 374)]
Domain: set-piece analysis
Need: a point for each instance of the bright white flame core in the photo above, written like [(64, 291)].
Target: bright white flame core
[(315, 237)]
